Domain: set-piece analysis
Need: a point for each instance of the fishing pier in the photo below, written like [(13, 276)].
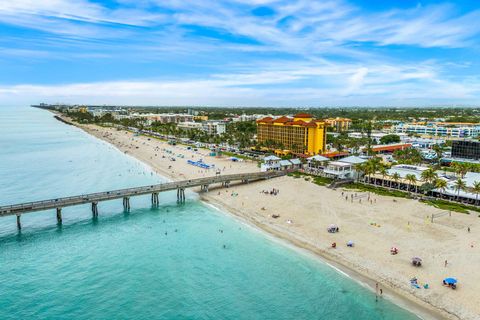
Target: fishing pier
[(126, 194)]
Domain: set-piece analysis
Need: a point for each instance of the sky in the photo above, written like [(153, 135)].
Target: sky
[(298, 53)]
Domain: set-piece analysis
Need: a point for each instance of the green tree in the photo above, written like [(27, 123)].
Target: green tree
[(429, 175), (412, 179), (408, 156), (460, 185), (390, 138), (396, 177), (476, 190), (441, 184), (438, 151), (383, 171)]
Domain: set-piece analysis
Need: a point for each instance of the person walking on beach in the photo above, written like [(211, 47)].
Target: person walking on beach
[(446, 262)]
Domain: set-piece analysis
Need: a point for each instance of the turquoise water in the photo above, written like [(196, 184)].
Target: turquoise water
[(164, 263)]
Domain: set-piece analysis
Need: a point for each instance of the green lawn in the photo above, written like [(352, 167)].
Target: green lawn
[(451, 206), (377, 190), (321, 181)]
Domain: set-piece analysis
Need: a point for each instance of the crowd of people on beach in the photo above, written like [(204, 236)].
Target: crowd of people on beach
[(354, 196), (272, 192)]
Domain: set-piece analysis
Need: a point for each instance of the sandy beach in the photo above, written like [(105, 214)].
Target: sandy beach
[(374, 223)]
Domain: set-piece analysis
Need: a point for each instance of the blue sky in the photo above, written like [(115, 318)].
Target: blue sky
[(240, 52)]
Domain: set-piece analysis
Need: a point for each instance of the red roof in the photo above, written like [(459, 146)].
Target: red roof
[(392, 147), (282, 119), (334, 154), (266, 119), (303, 115)]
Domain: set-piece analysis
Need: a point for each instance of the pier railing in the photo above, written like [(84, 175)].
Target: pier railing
[(154, 190)]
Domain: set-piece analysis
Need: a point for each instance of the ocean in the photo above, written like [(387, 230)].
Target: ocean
[(186, 261)]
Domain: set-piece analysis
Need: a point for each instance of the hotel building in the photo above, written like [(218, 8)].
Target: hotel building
[(340, 124), (301, 134)]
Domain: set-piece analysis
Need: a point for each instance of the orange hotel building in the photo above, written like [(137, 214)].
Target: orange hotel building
[(301, 134)]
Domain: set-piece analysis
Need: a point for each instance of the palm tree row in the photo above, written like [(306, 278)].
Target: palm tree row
[(429, 177)]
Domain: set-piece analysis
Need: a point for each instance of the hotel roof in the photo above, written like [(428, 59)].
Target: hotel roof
[(303, 115), (282, 119), (287, 121)]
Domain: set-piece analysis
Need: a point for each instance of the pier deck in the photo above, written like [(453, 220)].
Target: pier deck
[(154, 190)]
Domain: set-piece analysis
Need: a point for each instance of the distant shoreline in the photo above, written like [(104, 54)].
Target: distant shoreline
[(404, 299), (63, 120)]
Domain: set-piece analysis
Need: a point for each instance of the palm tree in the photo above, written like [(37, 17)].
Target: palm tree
[(429, 175), (476, 190), (438, 152), (373, 165), (441, 184), (396, 178), (383, 171), (460, 168), (459, 185), (412, 179), (360, 168), (367, 171)]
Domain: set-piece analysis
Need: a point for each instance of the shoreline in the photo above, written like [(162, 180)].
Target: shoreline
[(392, 292), (420, 308)]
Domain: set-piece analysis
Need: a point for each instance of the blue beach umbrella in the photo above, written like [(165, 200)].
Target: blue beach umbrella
[(450, 280)]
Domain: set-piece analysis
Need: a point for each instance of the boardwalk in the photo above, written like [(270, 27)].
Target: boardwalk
[(125, 194)]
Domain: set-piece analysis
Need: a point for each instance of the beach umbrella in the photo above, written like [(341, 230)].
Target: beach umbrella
[(350, 243), (416, 259), (332, 226), (450, 280)]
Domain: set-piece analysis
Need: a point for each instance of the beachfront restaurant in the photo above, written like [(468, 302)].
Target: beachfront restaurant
[(465, 196), (339, 170), (402, 170), (343, 168), (296, 163), (285, 165), (270, 163), (317, 162)]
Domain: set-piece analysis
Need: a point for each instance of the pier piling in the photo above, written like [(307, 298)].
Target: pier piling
[(181, 195), (155, 200), (95, 209), (19, 223), (126, 203), (59, 215)]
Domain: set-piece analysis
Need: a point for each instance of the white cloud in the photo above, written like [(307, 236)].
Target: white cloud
[(314, 35), (325, 84)]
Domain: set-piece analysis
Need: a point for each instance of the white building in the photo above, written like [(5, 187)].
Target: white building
[(375, 135), (270, 163), (149, 118), (189, 125), (343, 168), (248, 117), (440, 129), (214, 127)]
